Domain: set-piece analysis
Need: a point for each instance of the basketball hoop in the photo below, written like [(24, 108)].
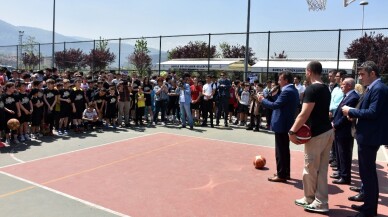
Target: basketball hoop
[(316, 5)]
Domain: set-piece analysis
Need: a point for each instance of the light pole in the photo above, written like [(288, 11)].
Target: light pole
[(246, 60), (53, 48), (21, 33), (363, 3)]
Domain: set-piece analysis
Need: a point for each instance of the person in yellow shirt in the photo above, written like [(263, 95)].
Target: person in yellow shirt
[(140, 105)]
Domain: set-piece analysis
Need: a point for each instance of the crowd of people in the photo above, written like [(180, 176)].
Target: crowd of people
[(50, 102), (337, 113)]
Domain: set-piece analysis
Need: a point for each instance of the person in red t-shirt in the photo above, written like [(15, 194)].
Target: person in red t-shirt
[(196, 94)]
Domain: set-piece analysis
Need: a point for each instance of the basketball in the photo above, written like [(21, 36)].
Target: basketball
[(13, 124), (259, 162), (304, 134)]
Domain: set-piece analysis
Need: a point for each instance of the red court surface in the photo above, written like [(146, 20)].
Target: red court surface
[(172, 175)]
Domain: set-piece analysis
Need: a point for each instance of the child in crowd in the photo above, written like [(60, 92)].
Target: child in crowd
[(79, 104), (111, 108), (65, 107), (243, 99), (140, 105), (26, 110), (100, 102), (50, 99), (90, 118), (37, 113), (12, 110)]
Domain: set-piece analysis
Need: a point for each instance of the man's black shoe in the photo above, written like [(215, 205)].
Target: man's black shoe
[(356, 207), (341, 181), (256, 130), (334, 176), (355, 189), (358, 197), (249, 128), (334, 164)]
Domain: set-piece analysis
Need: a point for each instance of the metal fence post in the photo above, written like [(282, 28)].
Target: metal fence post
[(339, 48), (269, 43), (17, 56), (119, 55), (208, 55), (40, 56), (160, 52)]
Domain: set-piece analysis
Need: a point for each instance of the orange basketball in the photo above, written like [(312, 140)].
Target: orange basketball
[(259, 162), (13, 124)]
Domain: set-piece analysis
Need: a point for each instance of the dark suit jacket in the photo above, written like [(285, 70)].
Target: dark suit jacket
[(284, 107), (371, 128), (341, 123)]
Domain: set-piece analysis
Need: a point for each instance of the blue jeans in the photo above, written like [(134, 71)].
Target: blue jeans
[(186, 111)]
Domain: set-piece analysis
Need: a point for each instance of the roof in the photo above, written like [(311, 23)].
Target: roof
[(299, 65), (199, 64)]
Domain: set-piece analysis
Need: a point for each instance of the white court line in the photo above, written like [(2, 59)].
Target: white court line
[(15, 158), (66, 195), (51, 156)]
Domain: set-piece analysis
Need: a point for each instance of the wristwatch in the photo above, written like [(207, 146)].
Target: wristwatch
[(291, 132)]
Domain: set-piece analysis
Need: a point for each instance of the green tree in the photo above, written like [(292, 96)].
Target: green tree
[(140, 58), (370, 47), (100, 57), (30, 56), (197, 49), (236, 51)]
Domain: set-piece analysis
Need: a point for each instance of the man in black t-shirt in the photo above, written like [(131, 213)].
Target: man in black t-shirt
[(315, 107)]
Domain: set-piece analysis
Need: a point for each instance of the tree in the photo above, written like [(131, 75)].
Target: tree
[(70, 59), (140, 58), (370, 47), (30, 60), (281, 55), (29, 57), (197, 49), (237, 51), (100, 57)]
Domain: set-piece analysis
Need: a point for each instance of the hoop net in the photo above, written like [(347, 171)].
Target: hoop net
[(316, 5)]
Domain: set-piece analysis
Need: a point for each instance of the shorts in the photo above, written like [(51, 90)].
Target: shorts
[(65, 111), (243, 109), (194, 106), (24, 118), (36, 117)]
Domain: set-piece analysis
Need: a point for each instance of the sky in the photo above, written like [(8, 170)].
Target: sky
[(130, 18)]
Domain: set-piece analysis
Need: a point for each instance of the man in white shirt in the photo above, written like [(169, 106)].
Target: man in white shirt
[(207, 106)]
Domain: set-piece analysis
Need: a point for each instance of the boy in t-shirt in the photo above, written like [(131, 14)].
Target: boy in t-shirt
[(37, 113), (50, 99), (65, 107), (26, 110), (243, 100), (90, 118), (12, 110), (140, 105), (111, 107)]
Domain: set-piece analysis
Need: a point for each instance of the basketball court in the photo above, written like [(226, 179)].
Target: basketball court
[(163, 174)]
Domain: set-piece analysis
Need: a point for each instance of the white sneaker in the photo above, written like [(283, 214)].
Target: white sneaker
[(317, 207), (8, 142), (16, 141), (22, 139), (163, 123), (27, 137)]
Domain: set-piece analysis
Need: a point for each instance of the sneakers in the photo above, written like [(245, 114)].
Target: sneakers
[(65, 132), (8, 142), (60, 133), (22, 139), (27, 137), (302, 202), (317, 207)]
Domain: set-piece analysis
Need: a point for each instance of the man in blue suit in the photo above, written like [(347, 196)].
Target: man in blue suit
[(343, 135), (371, 133), (283, 116)]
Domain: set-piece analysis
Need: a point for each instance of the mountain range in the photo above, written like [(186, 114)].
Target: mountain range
[(9, 38)]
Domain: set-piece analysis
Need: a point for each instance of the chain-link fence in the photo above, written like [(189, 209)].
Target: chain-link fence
[(266, 46)]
